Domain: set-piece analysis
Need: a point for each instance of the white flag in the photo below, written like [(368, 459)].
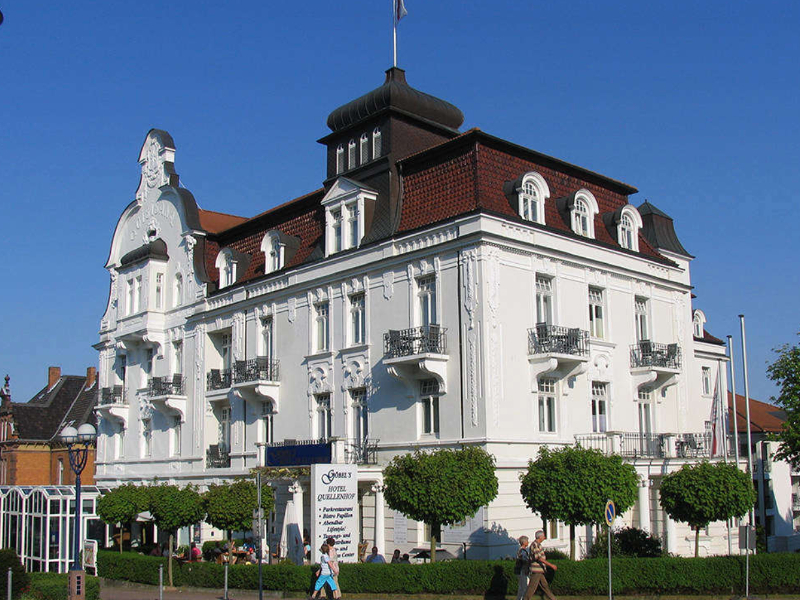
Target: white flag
[(399, 10)]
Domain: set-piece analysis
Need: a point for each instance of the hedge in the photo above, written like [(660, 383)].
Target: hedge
[(54, 586), (769, 573)]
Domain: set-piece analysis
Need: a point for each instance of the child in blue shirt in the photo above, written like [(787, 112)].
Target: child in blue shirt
[(325, 573)]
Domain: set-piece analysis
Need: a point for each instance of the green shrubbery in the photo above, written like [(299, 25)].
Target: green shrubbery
[(19, 579), (54, 586), (770, 573), (629, 541)]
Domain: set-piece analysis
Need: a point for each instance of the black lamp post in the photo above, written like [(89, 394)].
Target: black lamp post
[(78, 454)]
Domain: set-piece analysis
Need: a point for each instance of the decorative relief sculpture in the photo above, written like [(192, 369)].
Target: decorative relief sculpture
[(388, 284), (292, 308), (469, 260)]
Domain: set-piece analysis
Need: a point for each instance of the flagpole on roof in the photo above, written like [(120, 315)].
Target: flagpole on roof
[(733, 393), (749, 453), (398, 12)]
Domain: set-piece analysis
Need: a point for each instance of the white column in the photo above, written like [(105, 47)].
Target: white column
[(672, 536), (380, 528), (297, 497), (644, 505)]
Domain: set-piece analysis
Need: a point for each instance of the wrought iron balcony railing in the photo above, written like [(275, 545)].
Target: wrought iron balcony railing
[(650, 354), (545, 339), (362, 452), (416, 340), (650, 445), (166, 386), (218, 457), (112, 395), (694, 445), (256, 369), (217, 379)]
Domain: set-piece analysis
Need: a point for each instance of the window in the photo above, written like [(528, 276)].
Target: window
[(358, 320), (123, 371), (226, 354), (119, 447), (339, 158), (429, 399), (275, 254), (324, 419), (706, 381), (147, 366), (225, 429), (351, 155), (626, 232), (640, 314), (140, 305), (547, 405), (268, 337), (147, 438), (599, 407), (228, 272), (531, 194), (131, 303), (698, 328), (698, 323), (376, 143), (581, 218), (645, 417), (60, 471), (322, 326), (426, 297), (176, 436), (596, 329), (177, 358), (336, 218), (584, 208), (159, 291), (267, 423), (177, 293), (544, 300), (358, 398), (364, 148), (352, 226)]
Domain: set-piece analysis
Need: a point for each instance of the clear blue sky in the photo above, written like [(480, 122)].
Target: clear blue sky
[(694, 103)]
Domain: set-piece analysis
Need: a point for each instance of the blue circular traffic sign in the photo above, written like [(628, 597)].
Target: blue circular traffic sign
[(610, 513)]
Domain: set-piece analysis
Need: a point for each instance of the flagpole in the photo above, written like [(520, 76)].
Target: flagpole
[(724, 415), (733, 392), (394, 32), (749, 452)]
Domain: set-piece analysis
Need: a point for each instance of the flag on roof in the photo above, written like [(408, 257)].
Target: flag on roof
[(399, 10)]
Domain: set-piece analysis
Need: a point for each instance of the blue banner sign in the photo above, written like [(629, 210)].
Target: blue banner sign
[(299, 455)]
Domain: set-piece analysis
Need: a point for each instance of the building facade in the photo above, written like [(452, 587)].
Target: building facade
[(441, 288)]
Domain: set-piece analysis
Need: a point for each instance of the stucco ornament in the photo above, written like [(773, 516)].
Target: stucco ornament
[(152, 164), (145, 409)]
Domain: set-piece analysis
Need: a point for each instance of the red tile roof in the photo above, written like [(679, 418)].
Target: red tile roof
[(214, 222), (709, 339), (764, 417)]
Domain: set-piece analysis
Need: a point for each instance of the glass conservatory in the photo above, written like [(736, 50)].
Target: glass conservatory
[(39, 523)]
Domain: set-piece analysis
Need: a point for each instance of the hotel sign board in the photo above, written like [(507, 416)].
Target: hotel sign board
[(334, 509)]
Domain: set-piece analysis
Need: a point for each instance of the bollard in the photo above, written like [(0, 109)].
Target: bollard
[(226, 581), (10, 577), (160, 582)]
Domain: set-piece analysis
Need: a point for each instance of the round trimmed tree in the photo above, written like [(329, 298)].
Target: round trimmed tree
[(573, 484), (172, 508), (706, 492), (230, 506), (440, 487), (122, 505)]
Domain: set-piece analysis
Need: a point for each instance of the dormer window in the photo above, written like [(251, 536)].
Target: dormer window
[(532, 193), (274, 252), (630, 221), (339, 158), (345, 215), (584, 209), (698, 323), (626, 232), (227, 268), (364, 148), (351, 155), (376, 143)]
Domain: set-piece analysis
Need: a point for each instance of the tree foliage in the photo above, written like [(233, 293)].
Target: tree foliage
[(573, 484), (122, 505), (785, 371), (230, 506), (441, 487), (706, 492), (172, 508)]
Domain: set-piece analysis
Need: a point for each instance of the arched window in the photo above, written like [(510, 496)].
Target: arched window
[(626, 232), (698, 323), (177, 291), (581, 218), (339, 158), (532, 193), (584, 209), (376, 143), (351, 155), (364, 148), (227, 268), (274, 252)]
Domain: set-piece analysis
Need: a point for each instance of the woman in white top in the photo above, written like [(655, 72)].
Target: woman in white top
[(337, 592)]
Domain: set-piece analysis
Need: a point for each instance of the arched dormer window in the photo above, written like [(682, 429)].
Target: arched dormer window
[(274, 252), (698, 323), (376, 143), (630, 222), (532, 193), (364, 148), (583, 212), (351, 155), (339, 158), (227, 268)]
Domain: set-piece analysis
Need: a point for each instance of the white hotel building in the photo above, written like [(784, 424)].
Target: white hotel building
[(440, 289)]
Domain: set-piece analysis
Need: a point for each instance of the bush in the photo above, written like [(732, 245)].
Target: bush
[(54, 586), (553, 554), (20, 579), (770, 573), (629, 541)]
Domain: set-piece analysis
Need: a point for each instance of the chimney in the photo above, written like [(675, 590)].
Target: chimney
[(53, 375), (91, 376)]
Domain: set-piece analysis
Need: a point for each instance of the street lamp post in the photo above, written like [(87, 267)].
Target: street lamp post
[(78, 454)]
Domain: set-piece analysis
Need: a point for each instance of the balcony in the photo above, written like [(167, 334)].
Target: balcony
[(563, 351), (655, 365), (112, 404), (361, 452), (652, 445), (168, 395), (416, 354), (218, 379), (257, 380), (218, 457)]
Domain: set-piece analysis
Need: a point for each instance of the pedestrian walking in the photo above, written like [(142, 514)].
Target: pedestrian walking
[(337, 592), (325, 572), (522, 566), (538, 568)]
